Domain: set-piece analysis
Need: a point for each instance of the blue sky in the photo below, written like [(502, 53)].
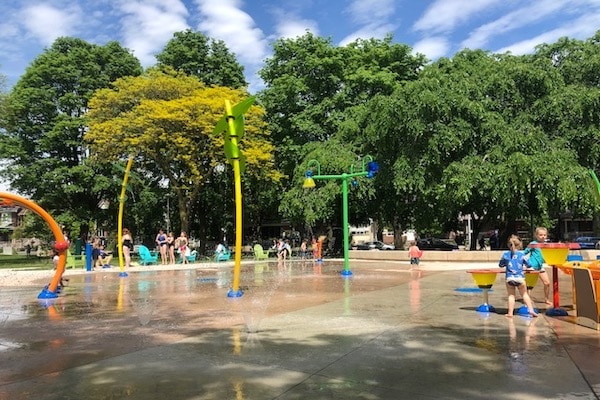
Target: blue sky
[(435, 28)]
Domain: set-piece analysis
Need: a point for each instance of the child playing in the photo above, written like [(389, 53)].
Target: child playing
[(513, 260), (55, 258), (536, 261), (304, 249), (415, 254), (103, 258)]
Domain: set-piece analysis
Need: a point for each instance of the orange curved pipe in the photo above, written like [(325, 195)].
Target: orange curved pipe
[(61, 245)]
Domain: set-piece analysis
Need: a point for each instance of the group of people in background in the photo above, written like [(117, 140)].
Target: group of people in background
[(168, 246), (283, 249)]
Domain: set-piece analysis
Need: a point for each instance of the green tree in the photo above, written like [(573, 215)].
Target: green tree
[(44, 124), (312, 88), (166, 120), (574, 111), (321, 207), (461, 139), (207, 59)]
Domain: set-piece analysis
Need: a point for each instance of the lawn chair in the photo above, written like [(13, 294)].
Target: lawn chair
[(71, 262), (259, 253), (224, 256), (146, 258), (192, 256)]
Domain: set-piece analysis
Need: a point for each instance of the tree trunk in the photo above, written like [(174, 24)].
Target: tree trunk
[(398, 238), (183, 211)]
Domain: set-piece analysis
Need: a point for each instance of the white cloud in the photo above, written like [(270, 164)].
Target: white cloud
[(516, 19), (432, 47), (289, 26), (45, 23), (445, 15), (368, 32), (371, 12), (373, 17), (225, 20), (581, 29), (149, 24)]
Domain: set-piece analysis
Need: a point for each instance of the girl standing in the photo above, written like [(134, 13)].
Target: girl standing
[(127, 247), (513, 260), (161, 242), (171, 247), (183, 247)]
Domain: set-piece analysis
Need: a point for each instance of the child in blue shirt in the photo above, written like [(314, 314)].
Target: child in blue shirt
[(514, 261), (536, 261)]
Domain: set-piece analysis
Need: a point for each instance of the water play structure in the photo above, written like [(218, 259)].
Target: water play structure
[(369, 170), (232, 127), (485, 279), (120, 218), (555, 255), (60, 245)]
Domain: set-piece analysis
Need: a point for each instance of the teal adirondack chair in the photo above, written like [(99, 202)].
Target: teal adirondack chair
[(146, 258), (224, 256)]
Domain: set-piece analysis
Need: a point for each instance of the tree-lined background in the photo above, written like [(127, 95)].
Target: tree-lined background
[(502, 138)]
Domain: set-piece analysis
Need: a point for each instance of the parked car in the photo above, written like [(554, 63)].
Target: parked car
[(375, 245), (437, 244), (588, 242)]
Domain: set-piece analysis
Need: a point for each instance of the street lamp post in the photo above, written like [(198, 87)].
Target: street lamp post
[(309, 182)]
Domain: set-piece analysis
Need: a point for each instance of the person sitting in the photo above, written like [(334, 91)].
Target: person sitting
[(222, 252), (284, 250), (103, 258), (221, 249)]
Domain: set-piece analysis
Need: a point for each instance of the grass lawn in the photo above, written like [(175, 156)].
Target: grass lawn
[(24, 262)]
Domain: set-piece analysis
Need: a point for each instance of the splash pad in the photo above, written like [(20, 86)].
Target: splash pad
[(314, 327)]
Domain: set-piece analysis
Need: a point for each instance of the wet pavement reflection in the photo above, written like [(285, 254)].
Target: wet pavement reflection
[(300, 330)]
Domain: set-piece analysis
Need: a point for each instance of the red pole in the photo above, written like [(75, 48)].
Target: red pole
[(555, 287)]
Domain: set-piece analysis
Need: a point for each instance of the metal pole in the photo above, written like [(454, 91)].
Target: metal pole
[(344, 177), (120, 217)]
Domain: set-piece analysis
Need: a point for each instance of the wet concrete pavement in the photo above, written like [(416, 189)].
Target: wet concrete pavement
[(300, 331)]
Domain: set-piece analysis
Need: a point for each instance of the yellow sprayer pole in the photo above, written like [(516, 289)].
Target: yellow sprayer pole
[(238, 199), (120, 218)]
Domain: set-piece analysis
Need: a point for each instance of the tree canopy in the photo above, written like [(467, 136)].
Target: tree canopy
[(44, 124), (208, 59), (495, 136), (166, 120), (463, 139), (312, 90)]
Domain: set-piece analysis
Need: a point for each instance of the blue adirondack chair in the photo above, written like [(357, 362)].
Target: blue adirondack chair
[(146, 258), (192, 256), (224, 256)]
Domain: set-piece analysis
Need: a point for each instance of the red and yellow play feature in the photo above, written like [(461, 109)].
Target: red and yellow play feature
[(555, 255), (484, 279)]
